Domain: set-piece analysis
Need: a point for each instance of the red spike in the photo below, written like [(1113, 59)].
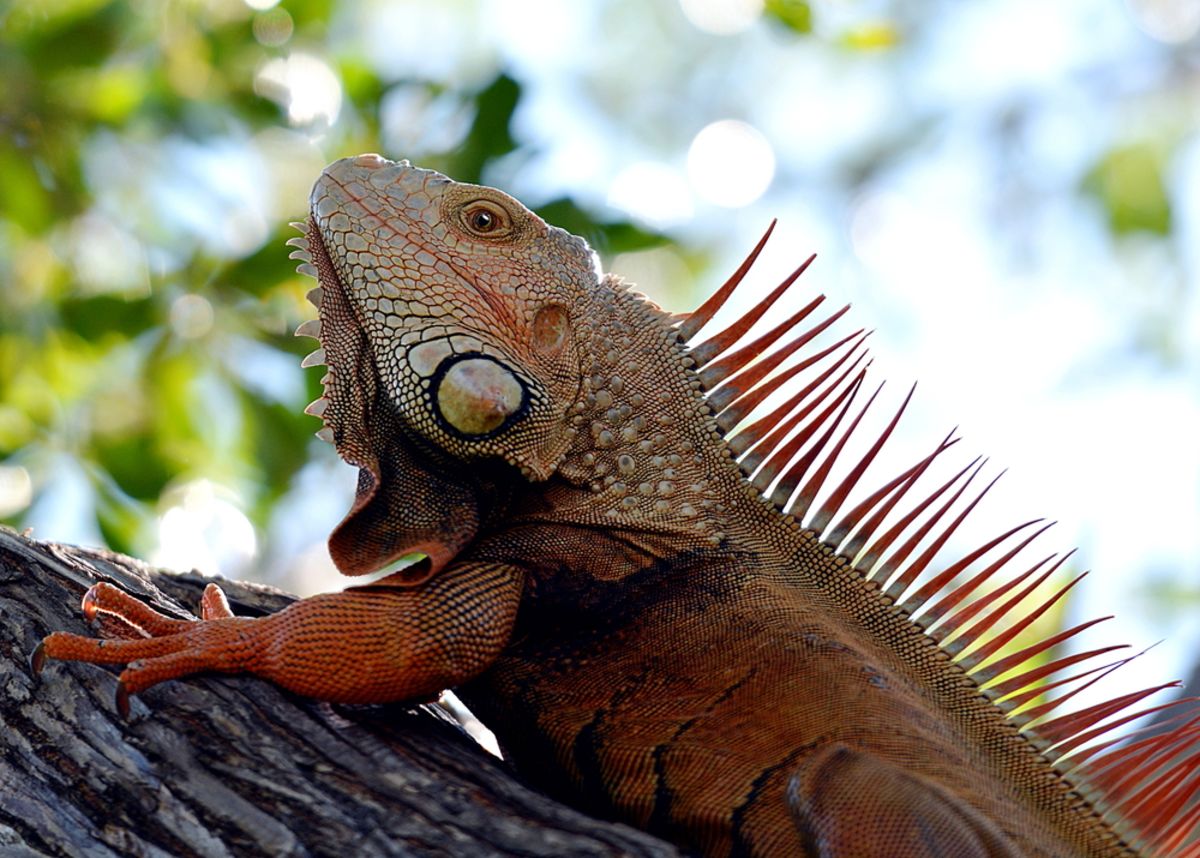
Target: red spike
[(718, 343), (1173, 796), (956, 624), (752, 436), (1129, 760), (1009, 662), (897, 588), (704, 313), (713, 374), (1076, 761), (1184, 830), (838, 496), (901, 582), (851, 519), (1068, 745), (772, 447), (872, 555), (1162, 796), (795, 469), (1121, 769), (1069, 731), (1016, 701), (1174, 842), (1035, 713), (809, 492), (1153, 802), (1111, 758), (933, 614), (1174, 845), (1167, 795), (742, 395), (939, 582), (993, 644)]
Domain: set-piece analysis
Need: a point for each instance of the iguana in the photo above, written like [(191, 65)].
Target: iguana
[(663, 600)]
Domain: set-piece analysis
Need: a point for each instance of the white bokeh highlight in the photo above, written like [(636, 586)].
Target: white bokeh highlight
[(730, 163)]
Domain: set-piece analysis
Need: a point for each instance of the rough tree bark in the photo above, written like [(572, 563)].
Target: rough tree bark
[(217, 766)]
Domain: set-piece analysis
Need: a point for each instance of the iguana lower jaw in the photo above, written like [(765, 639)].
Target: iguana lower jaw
[(403, 506), (399, 487)]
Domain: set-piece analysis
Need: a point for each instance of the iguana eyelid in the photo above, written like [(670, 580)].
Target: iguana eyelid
[(502, 226)]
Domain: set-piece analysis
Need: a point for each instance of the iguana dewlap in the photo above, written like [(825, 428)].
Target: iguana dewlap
[(673, 606)]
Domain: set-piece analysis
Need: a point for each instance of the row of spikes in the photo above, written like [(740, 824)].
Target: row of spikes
[(311, 327), (788, 456)]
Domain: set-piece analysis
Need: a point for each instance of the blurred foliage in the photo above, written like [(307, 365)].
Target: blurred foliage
[(1128, 182), (794, 14)]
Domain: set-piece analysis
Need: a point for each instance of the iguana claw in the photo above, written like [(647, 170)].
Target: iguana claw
[(37, 659), (37, 662), (90, 603), (122, 700)]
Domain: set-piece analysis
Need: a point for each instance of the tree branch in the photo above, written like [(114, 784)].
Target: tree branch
[(217, 766)]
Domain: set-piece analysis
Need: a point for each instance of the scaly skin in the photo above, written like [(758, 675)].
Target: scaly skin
[(647, 635)]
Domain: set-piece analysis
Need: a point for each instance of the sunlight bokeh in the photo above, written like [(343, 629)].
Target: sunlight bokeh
[(202, 528), (730, 163)]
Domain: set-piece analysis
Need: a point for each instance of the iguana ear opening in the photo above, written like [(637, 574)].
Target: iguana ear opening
[(402, 508)]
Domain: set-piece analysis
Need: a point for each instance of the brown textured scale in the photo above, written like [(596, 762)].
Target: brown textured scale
[(672, 609)]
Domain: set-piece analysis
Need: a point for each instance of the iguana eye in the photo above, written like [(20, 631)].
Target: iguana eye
[(486, 219), (476, 395), (482, 220)]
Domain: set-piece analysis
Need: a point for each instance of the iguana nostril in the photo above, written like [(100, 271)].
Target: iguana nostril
[(477, 395)]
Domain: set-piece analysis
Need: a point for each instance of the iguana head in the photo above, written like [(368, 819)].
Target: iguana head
[(448, 316)]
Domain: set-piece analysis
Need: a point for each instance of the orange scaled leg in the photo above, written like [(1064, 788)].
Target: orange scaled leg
[(379, 643)]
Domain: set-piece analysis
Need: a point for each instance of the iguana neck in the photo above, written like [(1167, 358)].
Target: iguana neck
[(647, 462), (648, 475)]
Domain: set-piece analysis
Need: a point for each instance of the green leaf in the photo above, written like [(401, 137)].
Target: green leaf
[(796, 15), (23, 197), (94, 317), (1128, 181), (605, 236), (135, 465), (122, 520), (489, 137)]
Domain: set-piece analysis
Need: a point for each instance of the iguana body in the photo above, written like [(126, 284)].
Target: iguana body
[(622, 587)]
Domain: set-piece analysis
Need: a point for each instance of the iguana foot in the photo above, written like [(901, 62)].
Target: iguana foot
[(154, 646), (392, 640)]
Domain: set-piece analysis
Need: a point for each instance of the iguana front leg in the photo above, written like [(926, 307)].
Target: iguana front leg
[(383, 642)]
